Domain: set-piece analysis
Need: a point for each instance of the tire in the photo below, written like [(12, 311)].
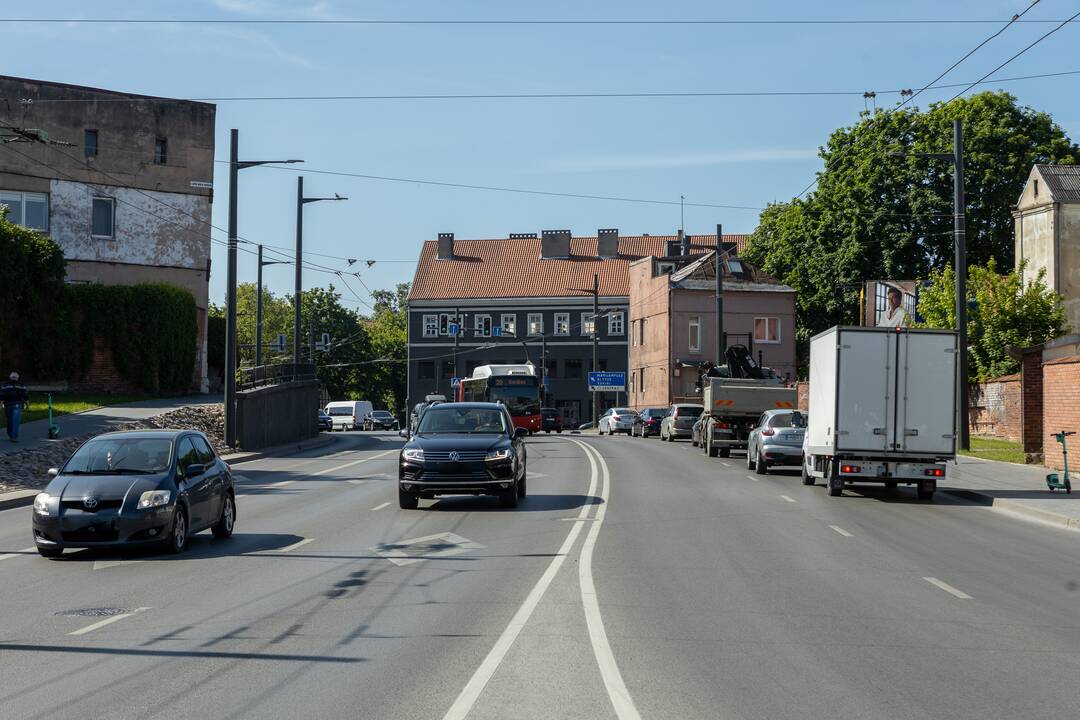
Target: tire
[(760, 466), (548, 432), (926, 491), (725, 452), (807, 478), (177, 539), (522, 488), (51, 553), (750, 463), (711, 449), (559, 431), (509, 498), (835, 484), (890, 484), (407, 501), (225, 524)]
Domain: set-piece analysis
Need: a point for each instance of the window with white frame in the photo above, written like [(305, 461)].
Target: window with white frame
[(431, 326), (103, 218), (766, 330), (31, 210), (536, 323), (483, 325), (695, 334), (562, 323), (588, 324), (508, 322), (616, 324)]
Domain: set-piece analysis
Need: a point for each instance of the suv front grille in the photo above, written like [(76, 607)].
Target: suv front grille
[(463, 456)]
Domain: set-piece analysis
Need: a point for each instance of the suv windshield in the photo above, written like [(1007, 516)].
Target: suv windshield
[(381, 414), (119, 455), (441, 419)]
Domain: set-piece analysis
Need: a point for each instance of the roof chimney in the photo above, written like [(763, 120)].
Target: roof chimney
[(607, 242), (446, 246), (554, 244)]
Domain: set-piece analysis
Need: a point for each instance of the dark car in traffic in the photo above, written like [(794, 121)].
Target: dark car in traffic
[(551, 419), (463, 449), (145, 487), (649, 422), (380, 420), (325, 421)]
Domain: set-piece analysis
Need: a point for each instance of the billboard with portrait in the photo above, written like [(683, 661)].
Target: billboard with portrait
[(890, 303)]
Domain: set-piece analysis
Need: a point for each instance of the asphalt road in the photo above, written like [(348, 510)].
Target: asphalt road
[(640, 579)]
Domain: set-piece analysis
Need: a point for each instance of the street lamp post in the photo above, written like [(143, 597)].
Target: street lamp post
[(259, 306), (301, 201), (235, 166)]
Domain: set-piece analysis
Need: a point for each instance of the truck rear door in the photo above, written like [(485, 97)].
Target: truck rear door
[(927, 391), (865, 391)]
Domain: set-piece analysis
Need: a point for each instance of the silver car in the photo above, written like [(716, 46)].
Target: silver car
[(617, 420), (776, 440), (679, 421)]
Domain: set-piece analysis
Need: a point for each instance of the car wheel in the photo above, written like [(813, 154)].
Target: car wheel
[(890, 484), (749, 459), (407, 501), (559, 431), (178, 534), (52, 553), (836, 484), (807, 478), (926, 491), (725, 452), (760, 466), (224, 526), (714, 450), (509, 498), (548, 432)]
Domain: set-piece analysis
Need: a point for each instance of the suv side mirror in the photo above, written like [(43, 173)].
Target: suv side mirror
[(194, 470), (53, 472), (404, 432)]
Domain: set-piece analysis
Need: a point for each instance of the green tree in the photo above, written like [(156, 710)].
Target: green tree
[(877, 217), (388, 329), (339, 368), (1002, 313)]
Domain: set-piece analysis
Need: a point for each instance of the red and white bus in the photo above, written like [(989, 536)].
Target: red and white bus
[(515, 386)]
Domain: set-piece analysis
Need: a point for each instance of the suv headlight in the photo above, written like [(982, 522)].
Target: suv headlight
[(41, 503), (154, 498), (415, 454), (500, 454)]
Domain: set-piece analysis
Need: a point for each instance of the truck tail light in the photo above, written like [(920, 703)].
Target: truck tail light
[(850, 468), (934, 472)]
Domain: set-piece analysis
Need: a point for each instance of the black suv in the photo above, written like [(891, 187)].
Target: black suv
[(463, 449), (551, 419), (380, 420)]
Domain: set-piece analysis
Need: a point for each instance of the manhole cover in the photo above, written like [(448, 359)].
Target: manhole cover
[(92, 612)]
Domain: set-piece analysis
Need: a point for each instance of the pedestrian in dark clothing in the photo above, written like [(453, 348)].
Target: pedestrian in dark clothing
[(15, 398)]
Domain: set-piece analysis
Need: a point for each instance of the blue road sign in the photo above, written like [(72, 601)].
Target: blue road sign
[(454, 329), (496, 331), (607, 381), (455, 382)]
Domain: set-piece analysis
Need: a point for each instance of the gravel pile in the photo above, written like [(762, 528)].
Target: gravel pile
[(28, 469)]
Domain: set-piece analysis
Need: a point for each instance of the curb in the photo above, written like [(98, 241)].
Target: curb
[(17, 498), (243, 457), (1017, 508)]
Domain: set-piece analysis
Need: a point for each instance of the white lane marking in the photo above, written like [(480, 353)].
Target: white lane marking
[(948, 588), (107, 621), (327, 471), (605, 658), (841, 530), (788, 499), (356, 482), (18, 553), (751, 477), (103, 564), (295, 545), (471, 692), (450, 543), (380, 507), (725, 464), (283, 483)]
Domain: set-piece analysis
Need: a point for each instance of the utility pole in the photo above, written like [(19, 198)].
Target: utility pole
[(719, 295), (595, 344), (460, 326), (298, 290), (235, 166)]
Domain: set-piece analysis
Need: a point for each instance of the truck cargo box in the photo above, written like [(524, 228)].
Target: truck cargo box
[(743, 396)]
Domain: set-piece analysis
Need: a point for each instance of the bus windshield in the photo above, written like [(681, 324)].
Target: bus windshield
[(519, 399)]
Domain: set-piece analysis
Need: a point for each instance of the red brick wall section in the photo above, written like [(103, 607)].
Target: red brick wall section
[(102, 375), (995, 408), (1031, 390), (802, 388), (1061, 408)]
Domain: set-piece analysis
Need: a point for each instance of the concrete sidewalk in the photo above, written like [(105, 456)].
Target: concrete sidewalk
[(1019, 489), (33, 435)]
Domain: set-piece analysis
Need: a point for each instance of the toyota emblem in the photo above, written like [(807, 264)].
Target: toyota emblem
[(455, 456), (90, 503)]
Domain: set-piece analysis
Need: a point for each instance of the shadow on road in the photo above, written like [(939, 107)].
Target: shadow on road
[(200, 546)]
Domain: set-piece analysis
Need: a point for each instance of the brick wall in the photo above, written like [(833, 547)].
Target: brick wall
[(1031, 391), (1061, 406), (102, 375), (995, 408)]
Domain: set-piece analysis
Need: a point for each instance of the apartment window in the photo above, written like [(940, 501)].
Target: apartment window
[(588, 324), (572, 368), (483, 325), (695, 334), (508, 322), (161, 151), (641, 380), (431, 326), (616, 324), (90, 145), (536, 323), (766, 330), (633, 332), (642, 338), (425, 370), (31, 210), (562, 323), (633, 385), (103, 217)]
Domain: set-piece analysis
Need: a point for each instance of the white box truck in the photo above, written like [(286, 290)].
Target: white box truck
[(882, 407)]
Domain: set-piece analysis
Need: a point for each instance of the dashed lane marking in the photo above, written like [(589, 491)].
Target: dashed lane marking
[(841, 530), (788, 499), (948, 588), (380, 507), (327, 471), (725, 464), (751, 477), (18, 553), (107, 621), (295, 545), (356, 482)]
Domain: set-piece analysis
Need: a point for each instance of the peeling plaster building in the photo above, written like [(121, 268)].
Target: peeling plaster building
[(122, 182)]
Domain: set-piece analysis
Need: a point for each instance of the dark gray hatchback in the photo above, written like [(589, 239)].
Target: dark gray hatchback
[(135, 488)]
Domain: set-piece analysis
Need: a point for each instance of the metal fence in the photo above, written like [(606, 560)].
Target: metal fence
[(253, 377)]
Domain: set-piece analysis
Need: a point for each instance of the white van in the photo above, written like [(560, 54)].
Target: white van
[(348, 414)]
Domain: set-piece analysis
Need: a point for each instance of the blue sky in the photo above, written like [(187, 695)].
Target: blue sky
[(728, 151)]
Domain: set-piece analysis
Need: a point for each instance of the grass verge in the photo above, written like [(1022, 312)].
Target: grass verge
[(65, 404), (996, 449)]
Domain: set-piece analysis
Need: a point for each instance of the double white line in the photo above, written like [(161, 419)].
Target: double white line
[(621, 701)]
